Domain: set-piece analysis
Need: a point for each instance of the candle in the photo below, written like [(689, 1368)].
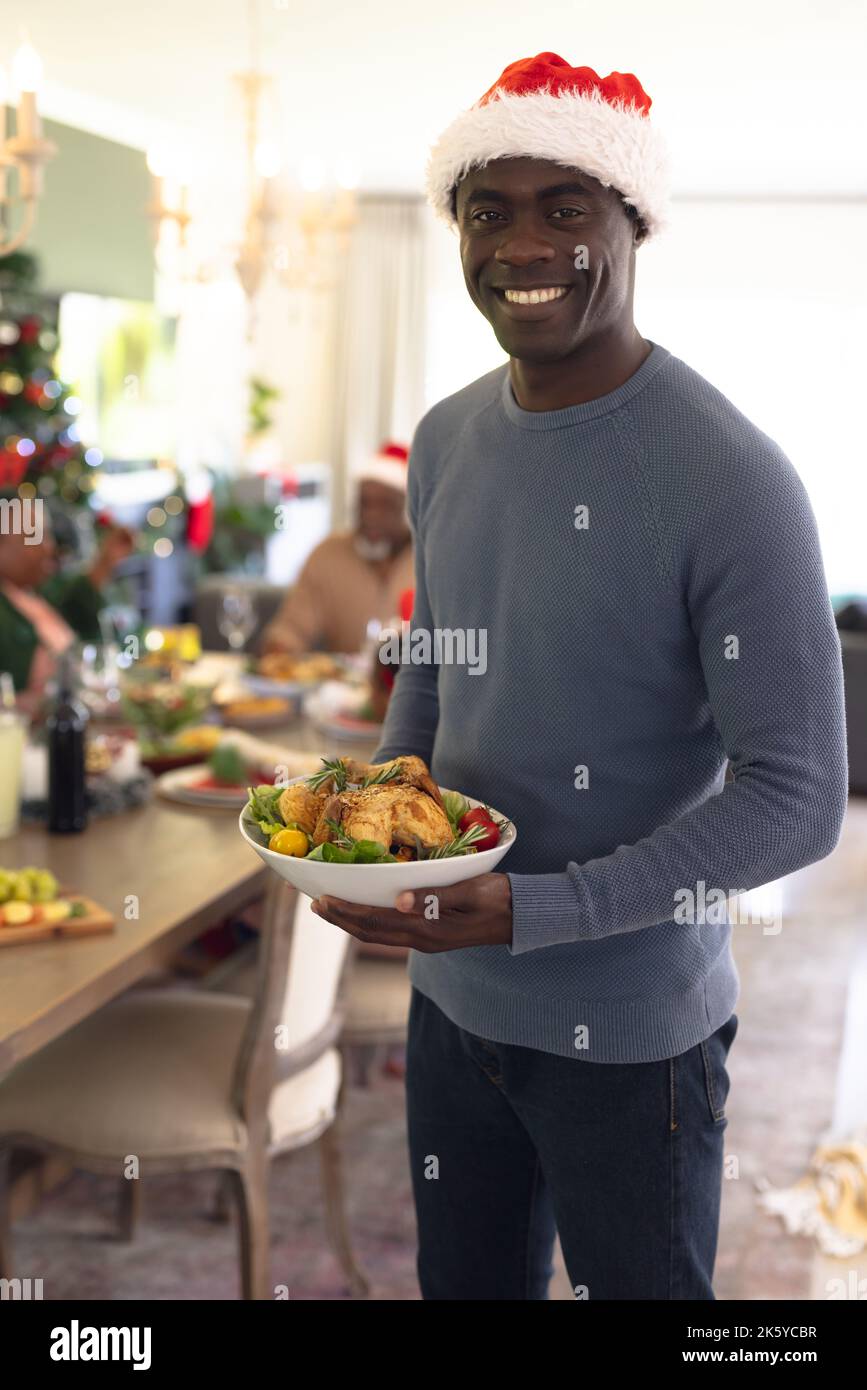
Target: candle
[(29, 125), (27, 78)]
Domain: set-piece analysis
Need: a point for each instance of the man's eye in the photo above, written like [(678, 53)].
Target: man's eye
[(570, 211), (484, 213)]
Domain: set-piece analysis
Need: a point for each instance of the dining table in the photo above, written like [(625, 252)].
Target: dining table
[(167, 873)]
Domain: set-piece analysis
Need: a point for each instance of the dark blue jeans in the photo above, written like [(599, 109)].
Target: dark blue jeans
[(510, 1146)]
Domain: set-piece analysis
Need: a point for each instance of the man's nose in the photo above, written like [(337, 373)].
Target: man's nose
[(522, 249)]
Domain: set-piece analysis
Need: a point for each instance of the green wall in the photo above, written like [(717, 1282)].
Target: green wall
[(92, 232)]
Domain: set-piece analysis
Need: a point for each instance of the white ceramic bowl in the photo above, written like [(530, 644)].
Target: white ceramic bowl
[(377, 885)]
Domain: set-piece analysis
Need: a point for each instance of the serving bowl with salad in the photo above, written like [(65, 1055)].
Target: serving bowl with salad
[(366, 832)]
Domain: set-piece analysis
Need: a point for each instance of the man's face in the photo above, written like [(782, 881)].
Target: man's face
[(381, 513), (520, 221)]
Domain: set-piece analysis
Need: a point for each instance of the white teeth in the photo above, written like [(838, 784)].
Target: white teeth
[(535, 296)]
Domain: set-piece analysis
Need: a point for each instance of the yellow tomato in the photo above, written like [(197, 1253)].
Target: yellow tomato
[(292, 842)]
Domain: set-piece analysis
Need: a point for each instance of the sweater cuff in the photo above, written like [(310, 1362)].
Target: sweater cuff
[(545, 911)]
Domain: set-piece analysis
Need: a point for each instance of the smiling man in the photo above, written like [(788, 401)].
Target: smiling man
[(646, 565)]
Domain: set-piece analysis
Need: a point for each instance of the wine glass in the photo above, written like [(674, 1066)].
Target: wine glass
[(237, 617)]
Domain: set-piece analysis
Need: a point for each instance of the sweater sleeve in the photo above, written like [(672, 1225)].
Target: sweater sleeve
[(758, 604), (413, 710)]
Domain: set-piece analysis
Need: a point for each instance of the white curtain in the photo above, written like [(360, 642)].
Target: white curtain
[(381, 334)]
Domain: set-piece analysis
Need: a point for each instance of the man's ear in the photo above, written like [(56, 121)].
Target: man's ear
[(639, 232)]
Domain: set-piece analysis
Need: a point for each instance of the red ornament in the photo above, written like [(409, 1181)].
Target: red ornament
[(30, 329), (33, 392), (12, 468)]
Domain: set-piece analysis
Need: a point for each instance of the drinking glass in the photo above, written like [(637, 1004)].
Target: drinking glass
[(12, 726), (237, 617)]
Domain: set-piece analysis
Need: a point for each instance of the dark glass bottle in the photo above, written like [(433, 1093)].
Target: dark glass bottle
[(67, 728)]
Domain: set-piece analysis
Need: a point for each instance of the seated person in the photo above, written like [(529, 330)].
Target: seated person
[(352, 576), (43, 611)]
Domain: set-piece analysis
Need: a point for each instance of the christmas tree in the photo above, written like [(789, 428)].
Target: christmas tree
[(40, 450)]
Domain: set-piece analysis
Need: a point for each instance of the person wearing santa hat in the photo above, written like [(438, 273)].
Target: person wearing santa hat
[(646, 566), (353, 577)]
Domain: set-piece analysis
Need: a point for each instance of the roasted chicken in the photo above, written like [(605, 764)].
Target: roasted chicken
[(406, 806), (389, 813), (300, 805), (410, 771)]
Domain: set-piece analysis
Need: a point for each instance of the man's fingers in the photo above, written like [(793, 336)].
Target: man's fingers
[(460, 897), (367, 923)]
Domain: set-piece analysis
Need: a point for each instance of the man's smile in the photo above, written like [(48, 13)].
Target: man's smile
[(536, 303)]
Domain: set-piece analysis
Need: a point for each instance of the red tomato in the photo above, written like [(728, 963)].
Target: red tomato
[(479, 816)]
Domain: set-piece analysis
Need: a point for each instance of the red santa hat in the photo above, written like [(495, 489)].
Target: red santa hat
[(388, 465), (542, 108)]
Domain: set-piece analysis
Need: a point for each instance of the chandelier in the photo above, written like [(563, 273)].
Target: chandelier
[(301, 245), (25, 152)]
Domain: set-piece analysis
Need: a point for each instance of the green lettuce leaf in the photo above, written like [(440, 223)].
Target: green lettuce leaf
[(456, 806)]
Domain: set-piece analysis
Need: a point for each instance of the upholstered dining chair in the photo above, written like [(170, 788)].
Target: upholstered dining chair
[(377, 1010), (184, 1079), (376, 1002)]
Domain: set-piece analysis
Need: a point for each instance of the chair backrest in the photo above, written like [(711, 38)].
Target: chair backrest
[(297, 1009)]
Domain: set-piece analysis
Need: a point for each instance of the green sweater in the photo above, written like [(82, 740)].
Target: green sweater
[(74, 597)]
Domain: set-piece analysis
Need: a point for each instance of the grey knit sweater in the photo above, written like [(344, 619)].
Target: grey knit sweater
[(647, 573)]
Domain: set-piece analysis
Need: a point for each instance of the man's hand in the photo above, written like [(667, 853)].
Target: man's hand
[(475, 913)]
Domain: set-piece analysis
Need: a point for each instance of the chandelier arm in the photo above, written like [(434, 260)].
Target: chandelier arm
[(27, 225)]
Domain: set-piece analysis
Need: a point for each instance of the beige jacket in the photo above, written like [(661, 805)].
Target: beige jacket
[(335, 596)]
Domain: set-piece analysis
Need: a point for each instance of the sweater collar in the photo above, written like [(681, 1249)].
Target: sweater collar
[(577, 414)]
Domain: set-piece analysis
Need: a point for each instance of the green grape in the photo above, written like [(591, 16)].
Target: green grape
[(6, 885), (22, 891), (45, 886)]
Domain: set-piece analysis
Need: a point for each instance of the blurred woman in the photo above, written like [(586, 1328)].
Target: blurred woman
[(42, 611)]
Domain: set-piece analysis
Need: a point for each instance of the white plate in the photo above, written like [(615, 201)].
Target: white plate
[(290, 690), (177, 787), (377, 885), (333, 709)]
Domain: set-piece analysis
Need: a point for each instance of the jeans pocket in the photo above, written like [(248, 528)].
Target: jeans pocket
[(714, 1052)]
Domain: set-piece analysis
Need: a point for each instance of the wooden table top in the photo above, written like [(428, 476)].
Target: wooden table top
[(188, 869)]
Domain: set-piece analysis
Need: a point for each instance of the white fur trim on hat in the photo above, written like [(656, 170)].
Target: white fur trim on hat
[(612, 142), (382, 469)]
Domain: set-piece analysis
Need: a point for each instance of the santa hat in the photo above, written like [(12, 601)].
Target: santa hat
[(542, 108), (388, 465)]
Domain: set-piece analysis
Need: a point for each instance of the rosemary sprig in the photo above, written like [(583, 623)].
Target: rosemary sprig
[(341, 836), (461, 844), (331, 768), (385, 774)]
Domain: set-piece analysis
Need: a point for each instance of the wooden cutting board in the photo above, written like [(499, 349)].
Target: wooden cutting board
[(96, 919)]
